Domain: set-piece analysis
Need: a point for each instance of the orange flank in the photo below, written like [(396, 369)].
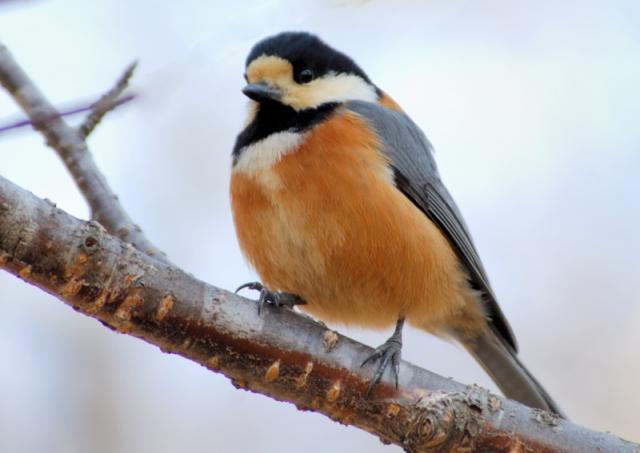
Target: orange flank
[(326, 223)]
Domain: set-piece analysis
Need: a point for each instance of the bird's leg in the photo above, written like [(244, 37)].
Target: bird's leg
[(277, 298), (389, 351)]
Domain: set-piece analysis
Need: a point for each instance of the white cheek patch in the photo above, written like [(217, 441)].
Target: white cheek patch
[(330, 88), (345, 87), (262, 154)]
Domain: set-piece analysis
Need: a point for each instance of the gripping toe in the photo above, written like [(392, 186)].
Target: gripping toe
[(276, 298)]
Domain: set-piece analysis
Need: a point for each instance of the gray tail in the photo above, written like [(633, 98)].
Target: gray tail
[(500, 361)]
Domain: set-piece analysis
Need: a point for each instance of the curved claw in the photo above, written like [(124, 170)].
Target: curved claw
[(374, 356), (395, 363), (277, 298), (251, 285)]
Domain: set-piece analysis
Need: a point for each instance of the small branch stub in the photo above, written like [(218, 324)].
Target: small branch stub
[(329, 340), (107, 102), (273, 371), (165, 306)]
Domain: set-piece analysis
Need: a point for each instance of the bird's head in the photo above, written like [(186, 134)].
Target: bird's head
[(298, 70)]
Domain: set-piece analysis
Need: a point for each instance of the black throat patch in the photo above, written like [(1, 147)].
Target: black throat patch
[(273, 117)]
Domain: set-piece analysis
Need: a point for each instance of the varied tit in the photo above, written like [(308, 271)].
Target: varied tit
[(338, 205)]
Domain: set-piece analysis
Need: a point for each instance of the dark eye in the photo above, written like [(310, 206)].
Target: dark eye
[(306, 76)]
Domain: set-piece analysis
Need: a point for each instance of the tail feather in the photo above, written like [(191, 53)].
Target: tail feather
[(500, 361)]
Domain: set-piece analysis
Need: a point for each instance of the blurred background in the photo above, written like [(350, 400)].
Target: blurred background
[(533, 108)]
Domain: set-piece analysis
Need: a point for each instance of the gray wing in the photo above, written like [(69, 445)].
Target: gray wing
[(417, 177)]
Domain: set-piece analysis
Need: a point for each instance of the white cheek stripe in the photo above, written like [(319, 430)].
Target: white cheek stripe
[(346, 87), (330, 88), (262, 154)]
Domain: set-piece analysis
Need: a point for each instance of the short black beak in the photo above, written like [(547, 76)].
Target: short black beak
[(261, 92)]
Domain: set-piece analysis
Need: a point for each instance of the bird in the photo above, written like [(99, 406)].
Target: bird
[(339, 207)]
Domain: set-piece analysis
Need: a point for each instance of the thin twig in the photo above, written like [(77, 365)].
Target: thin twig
[(106, 103), (279, 353), (104, 204), (68, 111)]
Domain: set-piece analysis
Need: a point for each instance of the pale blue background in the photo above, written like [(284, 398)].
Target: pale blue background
[(533, 108)]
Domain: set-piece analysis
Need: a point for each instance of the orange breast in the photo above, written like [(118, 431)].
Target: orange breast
[(326, 223)]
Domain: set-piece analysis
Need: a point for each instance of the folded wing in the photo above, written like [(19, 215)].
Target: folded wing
[(417, 177)]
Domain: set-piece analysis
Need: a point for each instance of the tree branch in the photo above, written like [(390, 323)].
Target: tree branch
[(74, 109), (106, 103), (67, 142), (280, 353)]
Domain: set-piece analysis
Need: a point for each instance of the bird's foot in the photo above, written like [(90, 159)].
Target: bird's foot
[(387, 353), (277, 298)]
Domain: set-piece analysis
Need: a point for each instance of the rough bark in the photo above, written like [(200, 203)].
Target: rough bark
[(279, 353)]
